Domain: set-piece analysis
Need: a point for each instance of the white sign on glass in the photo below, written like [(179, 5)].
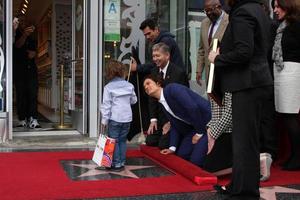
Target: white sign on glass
[(112, 20)]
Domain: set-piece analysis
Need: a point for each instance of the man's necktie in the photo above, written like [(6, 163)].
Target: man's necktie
[(211, 32), (161, 73)]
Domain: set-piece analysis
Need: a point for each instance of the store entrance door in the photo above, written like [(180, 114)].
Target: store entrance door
[(60, 28), (79, 106)]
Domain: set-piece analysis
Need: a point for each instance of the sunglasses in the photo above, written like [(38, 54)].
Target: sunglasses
[(210, 9)]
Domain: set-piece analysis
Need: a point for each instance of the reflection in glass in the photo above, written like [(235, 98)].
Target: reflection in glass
[(2, 56), (130, 15), (123, 18), (79, 53)]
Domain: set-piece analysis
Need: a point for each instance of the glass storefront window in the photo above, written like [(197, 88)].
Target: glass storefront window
[(194, 21), (2, 56), (122, 19), (79, 53)]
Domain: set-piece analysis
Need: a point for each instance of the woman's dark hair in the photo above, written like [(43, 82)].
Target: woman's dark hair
[(114, 69), (156, 78), (292, 9)]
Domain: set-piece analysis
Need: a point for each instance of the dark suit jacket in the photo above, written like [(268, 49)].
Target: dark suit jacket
[(242, 62), (188, 106), (174, 74)]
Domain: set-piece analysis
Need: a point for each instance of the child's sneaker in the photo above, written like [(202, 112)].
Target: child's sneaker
[(117, 169)]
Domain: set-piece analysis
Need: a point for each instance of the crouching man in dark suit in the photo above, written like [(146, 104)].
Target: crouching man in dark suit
[(188, 114), (169, 73)]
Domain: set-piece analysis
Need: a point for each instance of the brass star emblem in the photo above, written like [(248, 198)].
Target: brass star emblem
[(269, 193), (127, 172)]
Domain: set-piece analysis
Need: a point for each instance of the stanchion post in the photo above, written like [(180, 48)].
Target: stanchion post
[(61, 124)]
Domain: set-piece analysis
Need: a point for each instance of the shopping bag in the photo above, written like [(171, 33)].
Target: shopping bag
[(104, 151)]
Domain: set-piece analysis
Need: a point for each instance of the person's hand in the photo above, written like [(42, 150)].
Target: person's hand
[(31, 54), (212, 55), (133, 65), (29, 30), (167, 151), (15, 23), (103, 128), (211, 141), (152, 127), (198, 78), (166, 127), (196, 138)]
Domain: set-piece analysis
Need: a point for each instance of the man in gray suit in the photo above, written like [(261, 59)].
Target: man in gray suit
[(212, 27)]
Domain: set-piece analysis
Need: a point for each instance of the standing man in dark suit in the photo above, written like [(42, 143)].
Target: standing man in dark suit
[(170, 73), (243, 67), (188, 114)]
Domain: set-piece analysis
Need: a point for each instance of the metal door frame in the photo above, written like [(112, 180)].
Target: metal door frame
[(9, 66), (93, 48)]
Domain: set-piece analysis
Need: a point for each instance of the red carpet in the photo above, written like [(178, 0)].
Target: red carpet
[(178, 165), (278, 178), (39, 175)]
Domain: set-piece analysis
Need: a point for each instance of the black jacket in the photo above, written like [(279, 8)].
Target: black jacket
[(242, 62), (291, 42)]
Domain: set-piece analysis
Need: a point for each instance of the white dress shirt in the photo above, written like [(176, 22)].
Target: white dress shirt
[(164, 70), (217, 24)]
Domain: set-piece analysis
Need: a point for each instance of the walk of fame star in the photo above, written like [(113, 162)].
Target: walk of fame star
[(126, 172), (269, 193)]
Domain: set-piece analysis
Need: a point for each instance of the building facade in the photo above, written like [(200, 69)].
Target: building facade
[(81, 36)]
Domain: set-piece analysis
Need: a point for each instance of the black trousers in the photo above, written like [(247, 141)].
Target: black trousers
[(157, 139), (269, 137), (135, 125), (246, 116), (221, 155), (26, 85), (292, 126)]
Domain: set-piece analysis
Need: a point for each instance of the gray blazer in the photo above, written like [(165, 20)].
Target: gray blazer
[(204, 47)]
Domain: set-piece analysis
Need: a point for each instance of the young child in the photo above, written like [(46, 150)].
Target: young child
[(118, 95)]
